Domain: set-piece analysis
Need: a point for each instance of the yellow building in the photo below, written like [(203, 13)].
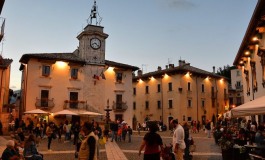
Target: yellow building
[(182, 92), (250, 58), (79, 81)]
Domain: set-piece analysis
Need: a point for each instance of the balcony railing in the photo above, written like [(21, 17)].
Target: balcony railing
[(70, 104), (44, 103), (240, 87), (120, 106)]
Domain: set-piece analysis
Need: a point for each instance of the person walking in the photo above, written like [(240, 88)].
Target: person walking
[(114, 129), (129, 130), (178, 140), (49, 133), (88, 148), (152, 142), (66, 131), (139, 127), (208, 128)]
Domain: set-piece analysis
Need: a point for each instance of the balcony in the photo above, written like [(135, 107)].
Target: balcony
[(239, 87), (44, 103), (70, 104), (119, 107)]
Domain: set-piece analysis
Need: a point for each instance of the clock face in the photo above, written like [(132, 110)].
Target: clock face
[(95, 43)]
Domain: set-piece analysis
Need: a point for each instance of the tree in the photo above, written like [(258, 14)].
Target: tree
[(226, 72)]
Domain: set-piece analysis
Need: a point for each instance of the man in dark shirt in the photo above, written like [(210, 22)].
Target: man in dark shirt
[(114, 129)]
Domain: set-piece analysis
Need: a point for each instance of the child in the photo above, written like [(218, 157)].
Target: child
[(119, 133)]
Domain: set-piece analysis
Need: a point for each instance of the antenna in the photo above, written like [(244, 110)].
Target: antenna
[(144, 65), (94, 15), (169, 60)]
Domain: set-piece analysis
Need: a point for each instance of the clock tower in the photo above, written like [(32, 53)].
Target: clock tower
[(92, 40)]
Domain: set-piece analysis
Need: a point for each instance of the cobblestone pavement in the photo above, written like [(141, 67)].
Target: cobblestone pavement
[(206, 149)]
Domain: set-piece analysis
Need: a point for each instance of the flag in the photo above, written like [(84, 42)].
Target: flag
[(102, 75), (96, 77)]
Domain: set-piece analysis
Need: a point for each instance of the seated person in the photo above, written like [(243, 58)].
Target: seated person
[(30, 149), (259, 137), (10, 153)]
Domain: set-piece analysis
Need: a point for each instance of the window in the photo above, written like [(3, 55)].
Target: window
[(44, 98), (188, 86), (203, 103), (238, 73), (118, 101), (158, 104), (74, 73), (158, 88), (46, 70), (134, 105), (134, 91), (119, 77), (189, 103), (146, 89), (169, 86), (170, 103), (146, 105), (74, 100), (202, 87)]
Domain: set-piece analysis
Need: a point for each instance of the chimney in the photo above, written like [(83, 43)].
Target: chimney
[(171, 65), (213, 69), (181, 62), (166, 66), (139, 73), (159, 68)]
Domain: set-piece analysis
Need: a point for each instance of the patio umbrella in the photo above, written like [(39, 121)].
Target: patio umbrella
[(36, 111), (89, 113), (65, 112)]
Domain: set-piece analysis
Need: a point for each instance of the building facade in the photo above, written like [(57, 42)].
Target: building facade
[(250, 58), (79, 81), (236, 94), (182, 92)]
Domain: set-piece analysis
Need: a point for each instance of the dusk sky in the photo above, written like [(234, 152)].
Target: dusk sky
[(142, 33)]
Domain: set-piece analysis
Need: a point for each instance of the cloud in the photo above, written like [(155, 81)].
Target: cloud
[(180, 4)]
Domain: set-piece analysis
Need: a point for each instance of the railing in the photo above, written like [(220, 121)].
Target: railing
[(44, 103), (120, 106), (239, 87), (70, 104)]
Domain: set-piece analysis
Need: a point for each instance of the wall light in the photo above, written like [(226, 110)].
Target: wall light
[(152, 78), (61, 64)]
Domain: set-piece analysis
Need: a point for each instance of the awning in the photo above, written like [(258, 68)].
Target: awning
[(89, 113), (65, 112), (36, 111), (255, 107)]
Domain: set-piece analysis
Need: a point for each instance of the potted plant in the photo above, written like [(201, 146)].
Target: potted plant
[(226, 143)]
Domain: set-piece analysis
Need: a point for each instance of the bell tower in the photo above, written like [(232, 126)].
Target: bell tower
[(92, 39)]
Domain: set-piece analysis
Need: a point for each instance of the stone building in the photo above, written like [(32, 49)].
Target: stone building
[(184, 92), (250, 58), (82, 80)]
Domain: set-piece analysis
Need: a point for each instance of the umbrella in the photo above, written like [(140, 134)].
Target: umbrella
[(65, 112), (36, 111), (89, 113), (255, 107)]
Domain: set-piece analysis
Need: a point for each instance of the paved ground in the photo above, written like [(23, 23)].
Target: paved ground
[(205, 150)]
